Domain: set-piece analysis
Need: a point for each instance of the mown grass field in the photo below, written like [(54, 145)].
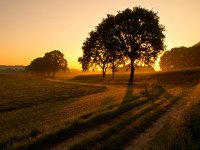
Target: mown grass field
[(88, 113)]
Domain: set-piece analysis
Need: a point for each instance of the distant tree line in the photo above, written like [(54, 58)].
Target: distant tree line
[(48, 65), (132, 36), (181, 58)]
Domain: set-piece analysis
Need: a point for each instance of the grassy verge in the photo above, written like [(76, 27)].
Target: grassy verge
[(167, 77)]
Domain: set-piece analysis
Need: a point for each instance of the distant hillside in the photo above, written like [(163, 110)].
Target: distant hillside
[(4, 69), (12, 67)]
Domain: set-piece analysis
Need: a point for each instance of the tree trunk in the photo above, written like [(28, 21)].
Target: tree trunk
[(104, 74), (113, 69), (131, 79)]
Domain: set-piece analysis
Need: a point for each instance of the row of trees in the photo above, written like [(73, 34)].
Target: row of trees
[(181, 58), (49, 64), (133, 35)]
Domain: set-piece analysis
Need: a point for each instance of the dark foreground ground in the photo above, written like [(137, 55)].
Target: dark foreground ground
[(88, 113)]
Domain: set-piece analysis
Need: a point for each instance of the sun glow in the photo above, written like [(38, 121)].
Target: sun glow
[(31, 28)]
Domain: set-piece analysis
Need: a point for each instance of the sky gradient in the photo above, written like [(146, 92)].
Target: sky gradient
[(30, 28)]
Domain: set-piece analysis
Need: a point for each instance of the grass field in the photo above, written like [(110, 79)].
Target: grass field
[(88, 113), (32, 107)]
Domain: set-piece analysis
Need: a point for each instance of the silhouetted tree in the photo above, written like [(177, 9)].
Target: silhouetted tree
[(94, 54), (140, 35), (36, 66), (100, 50), (135, 34), (55, 61), (181, 58), (49, 64), (106, 30)]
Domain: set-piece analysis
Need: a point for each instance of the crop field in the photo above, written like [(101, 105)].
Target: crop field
[(33, 107), (88, 113)]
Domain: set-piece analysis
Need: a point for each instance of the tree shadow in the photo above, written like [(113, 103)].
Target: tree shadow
[(129, 94)]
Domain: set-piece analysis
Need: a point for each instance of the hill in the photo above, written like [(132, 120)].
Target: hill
[(12, 67), (16, 69)]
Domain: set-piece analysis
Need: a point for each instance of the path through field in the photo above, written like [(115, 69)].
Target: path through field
[(148, 135), (113, 94), (131, 125)]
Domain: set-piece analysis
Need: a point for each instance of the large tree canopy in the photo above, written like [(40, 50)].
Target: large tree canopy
[(133, 33), (55, 61), (181, 58), (141, 36), (49, 64)]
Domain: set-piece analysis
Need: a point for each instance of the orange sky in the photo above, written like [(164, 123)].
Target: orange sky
[(30, 28)]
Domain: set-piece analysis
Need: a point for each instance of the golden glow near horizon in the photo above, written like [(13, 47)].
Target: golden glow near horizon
[(30, 28)]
